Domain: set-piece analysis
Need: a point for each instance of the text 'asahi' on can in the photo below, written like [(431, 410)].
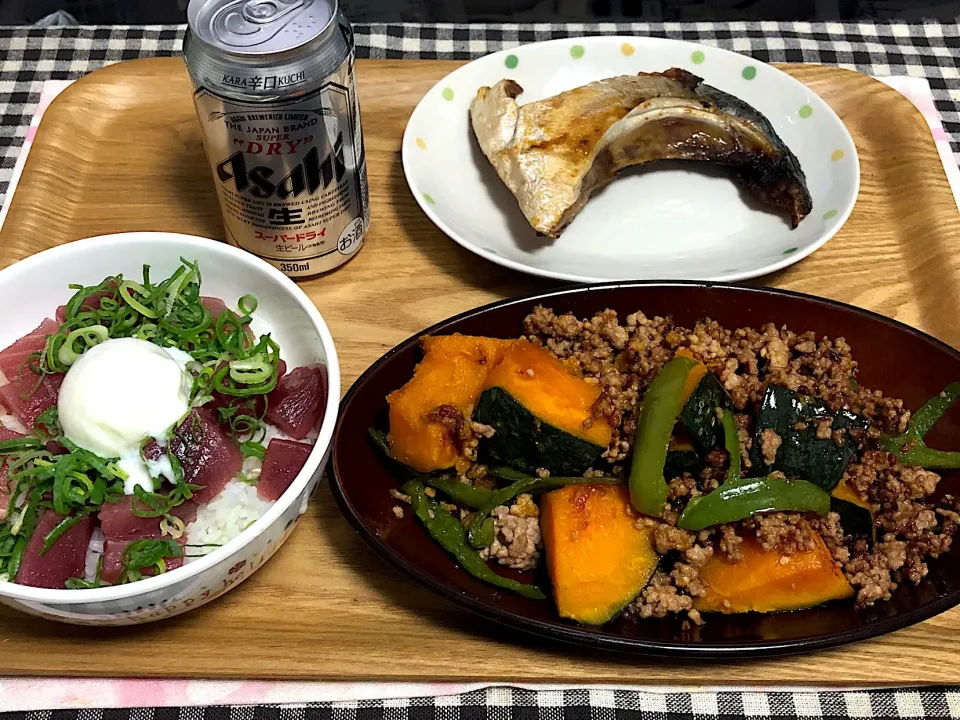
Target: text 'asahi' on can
[(275, 92)]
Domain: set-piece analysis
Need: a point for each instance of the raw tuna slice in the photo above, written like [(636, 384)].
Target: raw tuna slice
[(53, 382), (208, 455), (63, 561), (35, 339), (7, 434), (112, 567), (27, 409), (214, 305), (296, 405), (283, 462), (23, 383), (11, 363), (118, 521)]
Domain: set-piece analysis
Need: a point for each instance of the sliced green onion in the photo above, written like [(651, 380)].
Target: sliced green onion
[(253, 449), (252, 370), (247, 304), (125, 287), (173, 526), (93, 335), (175, 288), (150, 504), (147, 331), (17, 445), (61, 529)]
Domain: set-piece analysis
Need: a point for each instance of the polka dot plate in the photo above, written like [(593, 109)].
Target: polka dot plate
[(671, 220)]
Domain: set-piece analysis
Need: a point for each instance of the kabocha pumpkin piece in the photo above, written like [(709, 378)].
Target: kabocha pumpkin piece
[(856, 515), (597, 558), (541, 414), (769, 581), (702, 395), (696, 372), (427, 413), (804, 451)]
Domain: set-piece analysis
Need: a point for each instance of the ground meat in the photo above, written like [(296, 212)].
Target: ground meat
[(397, 495), (870, 573), (831, 531), (730, 543), (745, 436), (517, 539), (667, 538), (769, 444), (481, 430), (825, 429), (880, 478), (397, 511), (660, 598), (687, 578), (681, 487), (787, 533)]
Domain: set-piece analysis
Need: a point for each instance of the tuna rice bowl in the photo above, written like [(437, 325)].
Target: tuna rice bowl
[(142, 426)]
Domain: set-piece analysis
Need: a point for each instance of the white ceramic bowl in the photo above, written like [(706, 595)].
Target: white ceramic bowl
[(37, 285), (669, 221)]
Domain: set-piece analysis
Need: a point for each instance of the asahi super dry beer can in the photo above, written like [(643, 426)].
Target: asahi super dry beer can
[(278, 108)]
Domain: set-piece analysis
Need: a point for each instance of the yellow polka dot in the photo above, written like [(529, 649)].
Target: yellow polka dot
[(421, 143), (837, 155), (627, 49)]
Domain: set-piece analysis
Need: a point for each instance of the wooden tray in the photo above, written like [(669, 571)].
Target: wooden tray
[(120, 150)]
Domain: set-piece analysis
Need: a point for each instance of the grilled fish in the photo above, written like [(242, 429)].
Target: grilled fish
[(555, 153)]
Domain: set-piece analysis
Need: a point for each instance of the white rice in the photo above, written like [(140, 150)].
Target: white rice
[(94, 551), (224, 517)]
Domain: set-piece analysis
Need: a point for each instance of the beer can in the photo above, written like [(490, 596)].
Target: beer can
[(277, 102)]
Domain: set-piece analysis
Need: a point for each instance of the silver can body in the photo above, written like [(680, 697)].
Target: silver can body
[(276, 97)]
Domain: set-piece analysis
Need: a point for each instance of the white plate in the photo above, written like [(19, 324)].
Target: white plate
[(671, 221)]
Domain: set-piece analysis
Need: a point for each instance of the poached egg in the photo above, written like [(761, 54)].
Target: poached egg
[(119, 394)]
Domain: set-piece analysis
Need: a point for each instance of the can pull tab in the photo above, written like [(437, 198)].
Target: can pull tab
[(266, 11)]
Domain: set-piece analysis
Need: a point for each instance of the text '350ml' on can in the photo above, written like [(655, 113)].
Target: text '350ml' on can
[(275, 92)]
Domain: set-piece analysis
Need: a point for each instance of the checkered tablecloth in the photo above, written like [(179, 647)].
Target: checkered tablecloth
[(30, 57)]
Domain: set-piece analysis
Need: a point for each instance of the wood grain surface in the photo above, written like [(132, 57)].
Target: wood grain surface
[(120, 150)]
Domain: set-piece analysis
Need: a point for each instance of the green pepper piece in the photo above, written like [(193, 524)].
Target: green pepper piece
[(523, 483), (485, 536), (550, 482), (459, 492), (662, 403), (731, 442), (379, 438), (741, 498), (447, 531), (910, 448)]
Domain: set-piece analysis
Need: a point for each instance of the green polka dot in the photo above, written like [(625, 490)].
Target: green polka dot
[(829, 214), (789, 251), (429, 199), (805, 111), (511, 62), (577, 51), (448, 94), (749, 72), (698, 57)]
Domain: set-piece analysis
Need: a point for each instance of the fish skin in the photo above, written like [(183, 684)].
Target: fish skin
[(555, 153)]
